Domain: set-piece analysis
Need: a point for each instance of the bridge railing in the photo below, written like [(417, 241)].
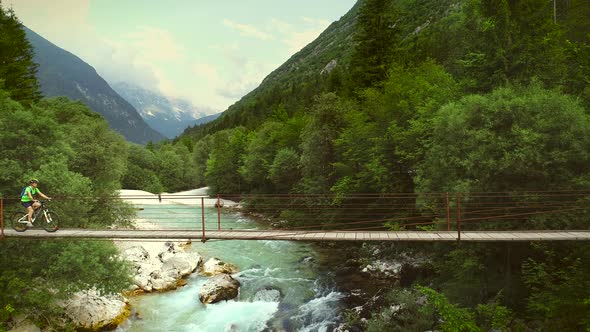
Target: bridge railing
[(503, 211), (476, 211)]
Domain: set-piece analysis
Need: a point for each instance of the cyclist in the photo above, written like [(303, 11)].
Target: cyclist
[(29, 202)]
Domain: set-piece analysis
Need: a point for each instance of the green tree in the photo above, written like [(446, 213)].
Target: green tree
[(25, 140), (317, 144), (95, 150), (259, 154), (142, 165), (224, 162), (375, 37), (557, 277), (17, 69), (284, 172), (201, 151), (35, 143), (453, 318), (174, 169), (72, 191), (511, 41), (512, 139), (49, 271), (385, 138)]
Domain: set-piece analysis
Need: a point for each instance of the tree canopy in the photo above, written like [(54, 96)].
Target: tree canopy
[(17, 69)]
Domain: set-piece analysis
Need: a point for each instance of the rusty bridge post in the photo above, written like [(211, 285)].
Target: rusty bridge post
[(458, 217), (448, 214), (203, 239), (218, 213), (1, 217)]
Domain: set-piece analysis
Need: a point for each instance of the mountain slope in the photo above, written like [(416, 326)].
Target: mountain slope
[(63, 74), (168, 116), (290, 82)]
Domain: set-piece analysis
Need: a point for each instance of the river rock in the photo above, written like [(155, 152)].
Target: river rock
[(218, 288), (21, 323), (215, 266), (162, 280), (182, 264), (384, 269), (268, 295), (90, 310), (136, 254), (163, 269), (168, 249)]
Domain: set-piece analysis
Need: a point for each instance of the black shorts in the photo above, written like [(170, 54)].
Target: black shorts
[(27, 204)]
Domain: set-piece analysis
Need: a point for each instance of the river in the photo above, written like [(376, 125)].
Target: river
[(282, 287)]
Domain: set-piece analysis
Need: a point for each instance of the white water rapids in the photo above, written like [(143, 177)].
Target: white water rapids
[(281, 288)]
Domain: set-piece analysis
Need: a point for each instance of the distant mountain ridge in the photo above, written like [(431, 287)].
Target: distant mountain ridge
[(169, 116), (61, 73)]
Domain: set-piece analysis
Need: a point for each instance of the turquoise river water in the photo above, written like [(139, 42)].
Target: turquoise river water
[(307, 301)]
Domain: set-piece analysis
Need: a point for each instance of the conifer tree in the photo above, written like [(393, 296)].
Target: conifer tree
[(375, 37), (17, 69)]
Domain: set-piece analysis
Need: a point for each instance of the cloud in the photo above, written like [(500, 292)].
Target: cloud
[(65, 23), (240, 75), (245, 76), (60, 20), (206, 71), (140, 58), (315, 22), (155, 44), (155, 58), (296, 38), (247, 30)]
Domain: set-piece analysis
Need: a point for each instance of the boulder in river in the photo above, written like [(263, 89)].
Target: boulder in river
[(218, 288), (92, 311), (268, 294), (163, 269), (215, 266)]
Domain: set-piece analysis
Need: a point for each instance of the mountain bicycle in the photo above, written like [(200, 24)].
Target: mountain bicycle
[(49, 219)]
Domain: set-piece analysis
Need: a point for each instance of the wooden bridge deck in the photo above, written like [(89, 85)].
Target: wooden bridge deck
[(482, 236)]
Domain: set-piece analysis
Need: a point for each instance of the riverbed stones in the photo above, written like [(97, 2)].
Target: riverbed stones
[(93, 311), (136, 254), (268, 294), (214, 266), (21, 323), (218, 288), (163, 268), (384, 269)]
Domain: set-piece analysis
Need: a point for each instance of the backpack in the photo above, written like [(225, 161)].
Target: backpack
[(22, 192)]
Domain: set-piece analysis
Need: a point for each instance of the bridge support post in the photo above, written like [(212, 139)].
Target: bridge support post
[(458, 217), (203, 239), (448, 214), (218, 213), (1, 218)]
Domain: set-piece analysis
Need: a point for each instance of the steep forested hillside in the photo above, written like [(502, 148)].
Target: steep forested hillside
[(295, 82), (460, 96), (396, 63)]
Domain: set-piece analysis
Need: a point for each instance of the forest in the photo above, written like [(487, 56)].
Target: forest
[(460, 96), (437, 96)]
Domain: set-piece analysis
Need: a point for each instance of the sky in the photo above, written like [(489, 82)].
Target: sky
[(211, 52)]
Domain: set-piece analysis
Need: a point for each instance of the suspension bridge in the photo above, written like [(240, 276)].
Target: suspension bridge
[(430, 217)]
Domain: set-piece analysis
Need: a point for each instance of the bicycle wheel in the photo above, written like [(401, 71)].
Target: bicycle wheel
[(50, 221), (16, 221)]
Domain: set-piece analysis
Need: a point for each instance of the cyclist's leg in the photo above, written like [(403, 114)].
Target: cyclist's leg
[(29, 207), (30, 212)]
